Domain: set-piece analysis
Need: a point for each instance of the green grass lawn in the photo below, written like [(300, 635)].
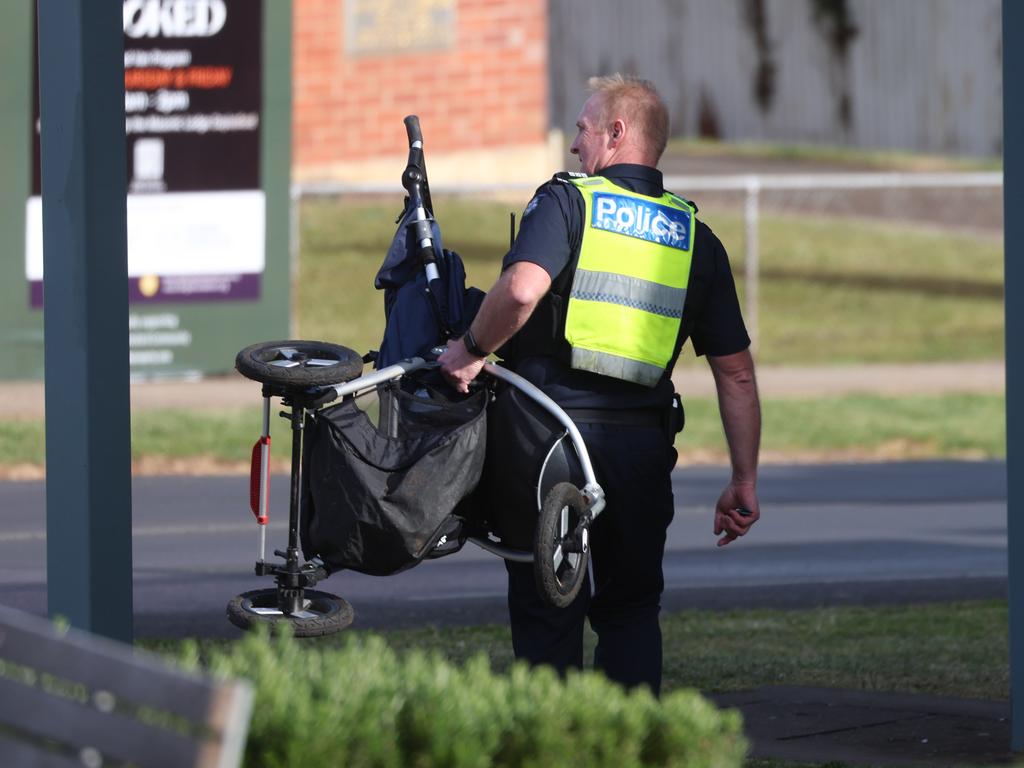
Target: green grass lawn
[(855, 426), (836, 290), (951, 426), (956, 649)]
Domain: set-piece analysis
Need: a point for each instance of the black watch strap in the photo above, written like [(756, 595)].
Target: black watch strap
[(471, 346)]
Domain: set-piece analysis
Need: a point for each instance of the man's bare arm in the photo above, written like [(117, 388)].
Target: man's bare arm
[(740, 408), (506, 308)]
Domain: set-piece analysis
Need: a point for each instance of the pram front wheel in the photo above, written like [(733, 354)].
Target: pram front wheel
[(298, 363), (560, 552), (322, 613)]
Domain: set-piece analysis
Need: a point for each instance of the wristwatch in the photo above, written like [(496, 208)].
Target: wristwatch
[(471, 346)]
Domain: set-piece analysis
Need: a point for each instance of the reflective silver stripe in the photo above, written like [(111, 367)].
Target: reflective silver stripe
[(612, 288), (616, 367)]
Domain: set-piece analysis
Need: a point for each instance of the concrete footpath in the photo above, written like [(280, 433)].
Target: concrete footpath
[(25, 399), (859, 728)]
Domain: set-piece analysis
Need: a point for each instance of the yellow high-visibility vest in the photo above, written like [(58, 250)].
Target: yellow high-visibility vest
[(626, 301)]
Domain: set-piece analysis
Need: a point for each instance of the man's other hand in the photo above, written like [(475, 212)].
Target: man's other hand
[(730, 518)]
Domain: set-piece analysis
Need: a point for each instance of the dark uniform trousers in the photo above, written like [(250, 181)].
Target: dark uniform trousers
[(633, 464)]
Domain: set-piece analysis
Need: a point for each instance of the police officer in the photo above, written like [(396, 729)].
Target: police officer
[(608, 277)]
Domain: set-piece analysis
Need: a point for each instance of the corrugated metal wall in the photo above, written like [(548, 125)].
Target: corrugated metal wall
[(922, 75)]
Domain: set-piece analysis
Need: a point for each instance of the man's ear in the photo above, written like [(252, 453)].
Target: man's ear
[(617, 132)]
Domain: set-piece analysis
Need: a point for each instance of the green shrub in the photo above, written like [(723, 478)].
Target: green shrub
[(361, 705)]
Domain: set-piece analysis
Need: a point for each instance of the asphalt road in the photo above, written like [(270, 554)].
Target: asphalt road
[(830, 534)]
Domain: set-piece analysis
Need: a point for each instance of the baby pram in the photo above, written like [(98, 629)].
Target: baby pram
[(381, 493)]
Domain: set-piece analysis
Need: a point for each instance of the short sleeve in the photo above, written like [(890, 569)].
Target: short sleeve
[(716, 325), (545, 231)]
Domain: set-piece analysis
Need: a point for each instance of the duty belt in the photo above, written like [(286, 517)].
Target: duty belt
[(639, 417), (671, 419)]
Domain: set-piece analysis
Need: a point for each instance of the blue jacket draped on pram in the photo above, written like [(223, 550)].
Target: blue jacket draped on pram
[(415, 321)]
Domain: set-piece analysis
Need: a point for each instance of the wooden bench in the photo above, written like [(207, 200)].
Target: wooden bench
[(73, 699)]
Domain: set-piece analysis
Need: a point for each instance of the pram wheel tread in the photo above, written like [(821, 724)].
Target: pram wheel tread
[(323, 613), (559, 560), (299, 363)]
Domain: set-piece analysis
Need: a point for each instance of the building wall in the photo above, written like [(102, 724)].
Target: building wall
[(475, 71), (918, 75)]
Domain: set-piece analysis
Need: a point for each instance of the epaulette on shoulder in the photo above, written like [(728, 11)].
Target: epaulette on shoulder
[(567, 177), (688, 202)]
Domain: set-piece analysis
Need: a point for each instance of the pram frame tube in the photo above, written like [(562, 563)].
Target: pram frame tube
[(382, 376), (506, 553)]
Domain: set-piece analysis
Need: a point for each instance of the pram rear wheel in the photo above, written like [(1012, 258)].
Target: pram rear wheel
[(322, 613), (298, 363), (560, 556)]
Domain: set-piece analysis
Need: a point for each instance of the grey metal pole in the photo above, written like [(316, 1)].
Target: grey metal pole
[(294, 243), (88, 422), (751, 213), (1013, 202)]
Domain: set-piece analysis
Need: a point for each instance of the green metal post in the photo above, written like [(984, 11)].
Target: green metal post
[(88, 434), (1013, 203), (275, 160)]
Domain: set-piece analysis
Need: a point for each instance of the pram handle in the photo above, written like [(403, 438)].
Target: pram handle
[(414, 179), (412, 128)]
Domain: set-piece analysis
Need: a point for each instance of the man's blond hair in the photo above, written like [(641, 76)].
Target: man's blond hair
[(637, 102)]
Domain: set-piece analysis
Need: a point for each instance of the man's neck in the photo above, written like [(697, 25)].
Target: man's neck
[(623, 163), (633, 156)]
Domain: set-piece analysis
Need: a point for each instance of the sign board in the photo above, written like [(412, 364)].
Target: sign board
[(376, 27), (207, 150)]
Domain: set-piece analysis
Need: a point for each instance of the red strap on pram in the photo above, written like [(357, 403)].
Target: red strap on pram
[(256, 477)]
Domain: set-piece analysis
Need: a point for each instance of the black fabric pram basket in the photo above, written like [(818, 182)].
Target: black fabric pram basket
[(528, 453), (379, 503)]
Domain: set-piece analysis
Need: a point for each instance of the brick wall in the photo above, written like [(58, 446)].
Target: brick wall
[(482, 98)]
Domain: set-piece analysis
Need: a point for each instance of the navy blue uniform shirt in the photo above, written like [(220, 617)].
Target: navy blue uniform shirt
[(550, 235)]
